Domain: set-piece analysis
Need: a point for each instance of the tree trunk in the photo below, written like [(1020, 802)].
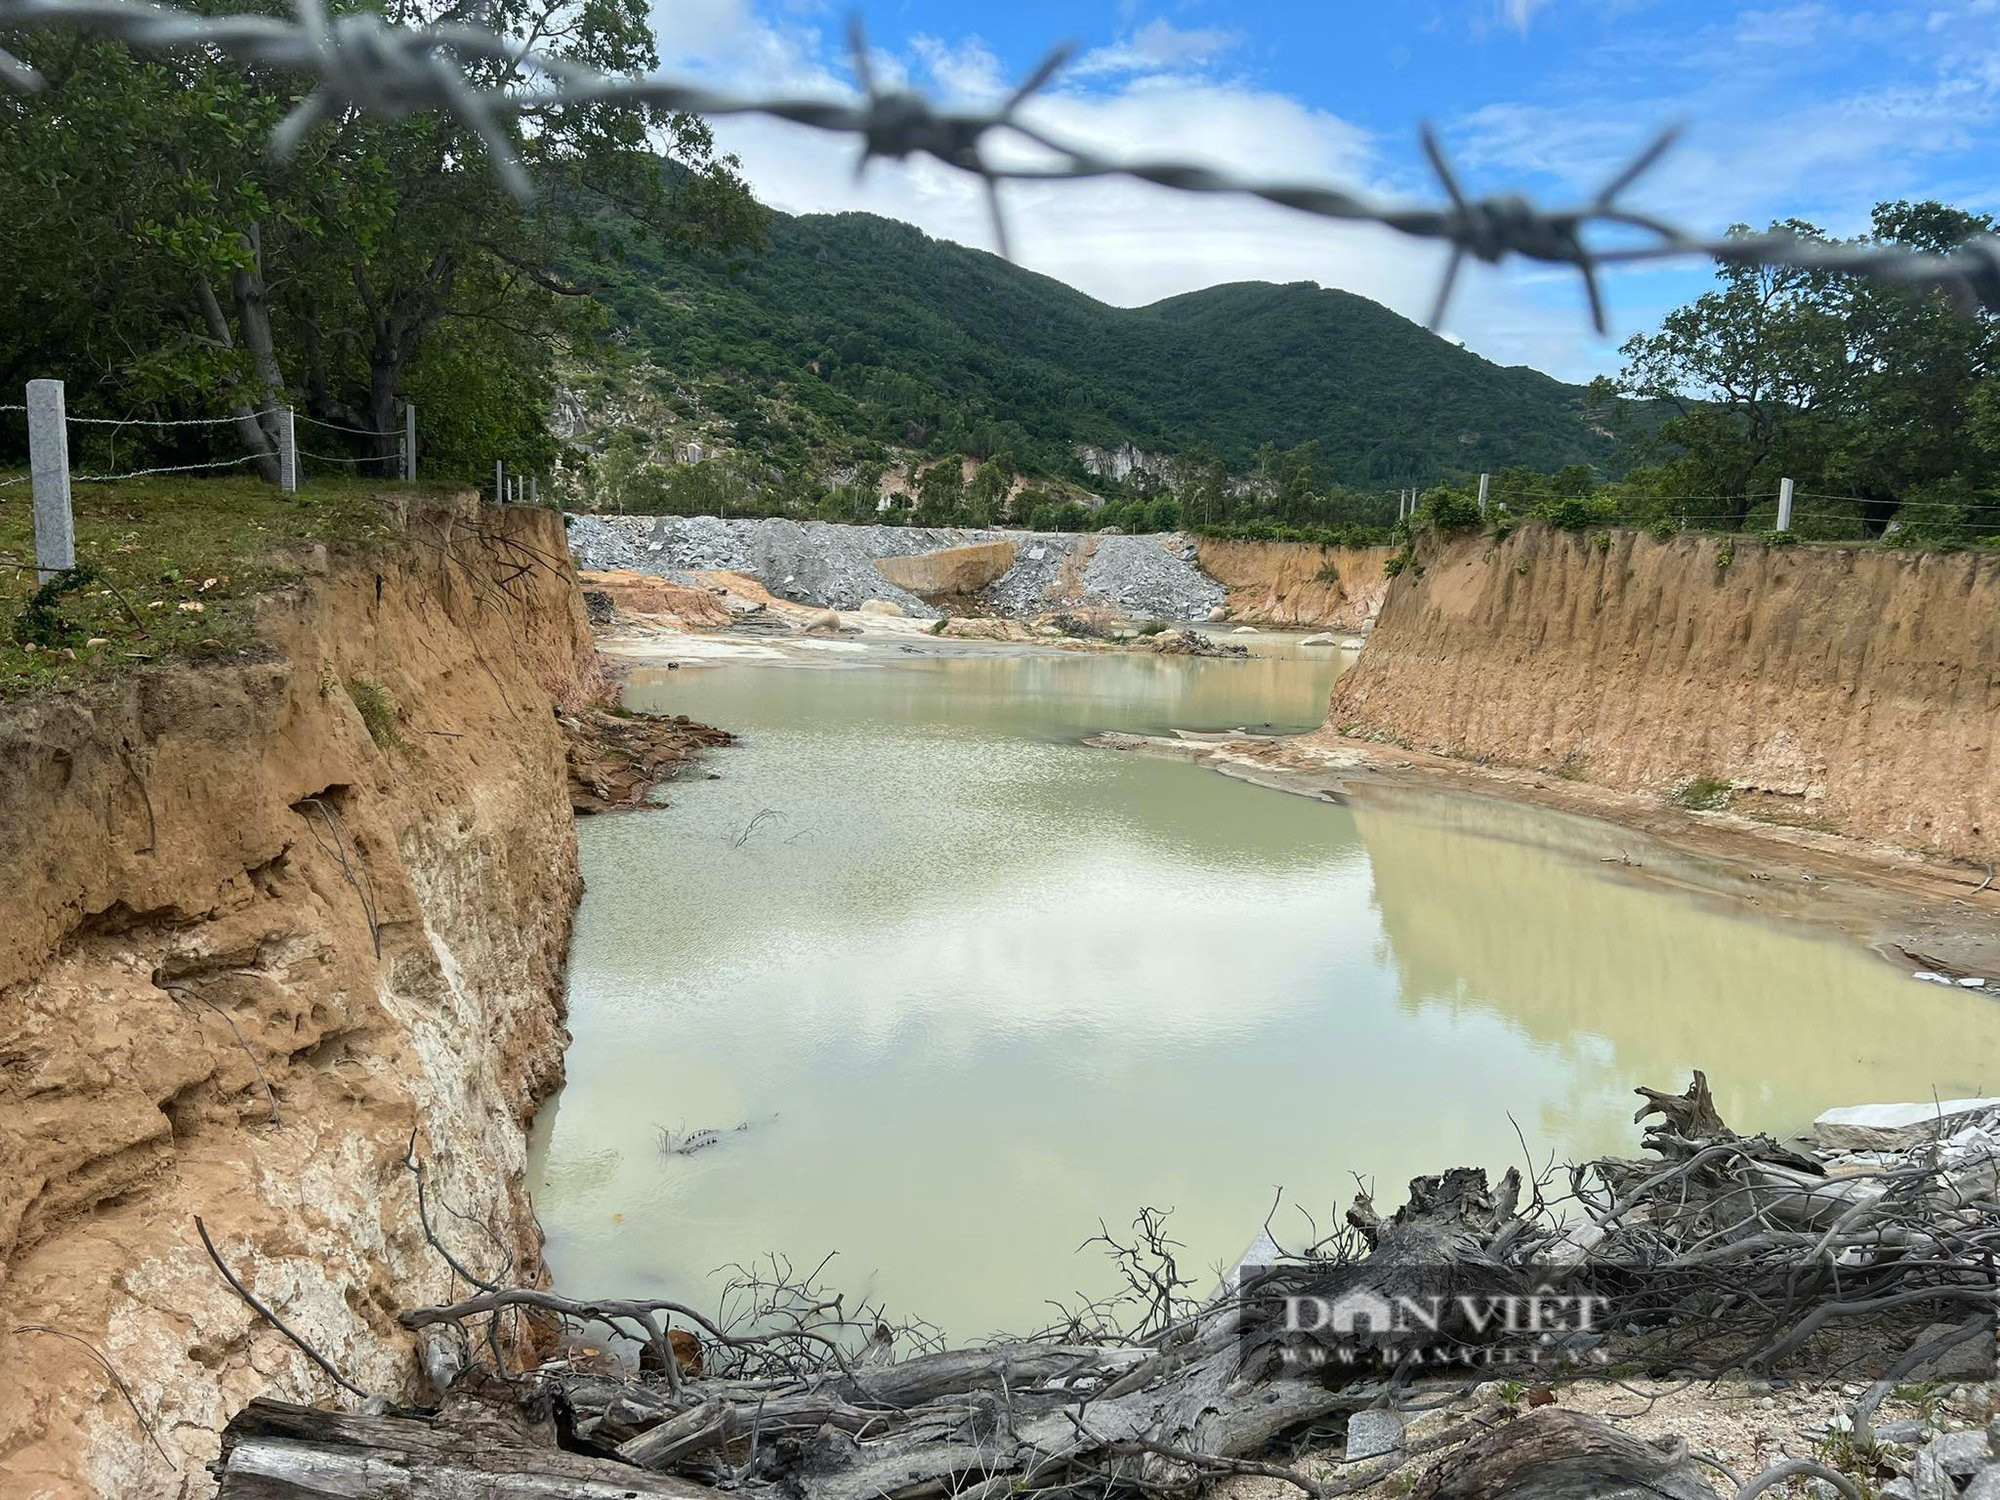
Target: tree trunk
[(249, 430)]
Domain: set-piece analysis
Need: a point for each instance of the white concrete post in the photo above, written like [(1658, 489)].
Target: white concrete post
[(534, 490), (48, 463), (1484, 481), (499, 481), (409, 441), (1784, 505), (288, 451)]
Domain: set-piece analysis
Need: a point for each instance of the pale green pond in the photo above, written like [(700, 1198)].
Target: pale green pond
[(971, 986)]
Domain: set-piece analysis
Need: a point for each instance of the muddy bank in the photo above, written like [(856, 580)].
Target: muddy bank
[(265, 923), (1916, 913), (1850, 691)]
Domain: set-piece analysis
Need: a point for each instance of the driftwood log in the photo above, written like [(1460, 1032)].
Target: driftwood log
[(275, 1451), (1553, 1454)]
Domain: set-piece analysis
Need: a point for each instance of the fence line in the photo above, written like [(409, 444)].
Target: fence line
[(49, 467)]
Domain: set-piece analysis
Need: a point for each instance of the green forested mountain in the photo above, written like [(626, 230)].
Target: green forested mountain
[(849, 335)]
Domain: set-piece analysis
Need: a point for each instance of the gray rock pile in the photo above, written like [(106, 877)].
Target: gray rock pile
[(818, 563)]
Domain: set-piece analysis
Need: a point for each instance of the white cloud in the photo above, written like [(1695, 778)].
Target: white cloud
[(1520, 14), (1159, 46)]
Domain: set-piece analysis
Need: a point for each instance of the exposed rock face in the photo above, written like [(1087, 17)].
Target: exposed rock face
[(1293, 584), (955, 570), (644, 594), (1860, 689), (225, 891)]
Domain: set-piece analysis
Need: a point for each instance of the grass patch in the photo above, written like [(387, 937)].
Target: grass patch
[(378, 709), (167, 569), (1703, 794)]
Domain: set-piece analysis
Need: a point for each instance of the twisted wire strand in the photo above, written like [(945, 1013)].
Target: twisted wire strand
[(221, 463), (361, 61), (350, 431), (177, 422)]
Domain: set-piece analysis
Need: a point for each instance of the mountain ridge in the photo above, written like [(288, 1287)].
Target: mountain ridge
[(850, 336)]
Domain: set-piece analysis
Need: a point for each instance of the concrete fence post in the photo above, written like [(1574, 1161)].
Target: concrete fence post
[(1485, 480), (499, 481), (1784, 505), (288, 451), (409, 441), (534, 490), (48, 463)]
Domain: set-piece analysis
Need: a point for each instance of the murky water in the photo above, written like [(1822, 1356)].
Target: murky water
[(970, 987)]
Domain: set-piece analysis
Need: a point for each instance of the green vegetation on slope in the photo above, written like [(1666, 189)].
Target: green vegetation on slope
[(851, 335), (166, 568)]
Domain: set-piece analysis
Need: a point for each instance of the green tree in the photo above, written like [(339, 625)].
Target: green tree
[(178, 268), (1753, 373)]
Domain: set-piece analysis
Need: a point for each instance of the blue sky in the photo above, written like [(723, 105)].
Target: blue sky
[(1813, 109)]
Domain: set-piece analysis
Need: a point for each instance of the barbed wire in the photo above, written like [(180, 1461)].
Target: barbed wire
[(350, 431), (361, 60), (175, 422), (221, 463)]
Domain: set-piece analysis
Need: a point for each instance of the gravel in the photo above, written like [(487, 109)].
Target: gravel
[(833, 567), (1154, 576)]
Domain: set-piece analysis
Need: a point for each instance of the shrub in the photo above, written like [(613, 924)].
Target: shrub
[(1449, 512), (1725, 555), (1662, 529), (1328, 574), (1573, 514), (40, 623), (378, 710), (1703, 794), (1602, 541), (1396, 562), (1781, 539)]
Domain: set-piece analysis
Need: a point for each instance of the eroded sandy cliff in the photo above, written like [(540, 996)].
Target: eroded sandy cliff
[(225, 892), (1853, 689), (1292, 585)]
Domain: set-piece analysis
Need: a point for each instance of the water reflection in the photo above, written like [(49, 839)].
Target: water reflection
[(971, 986)]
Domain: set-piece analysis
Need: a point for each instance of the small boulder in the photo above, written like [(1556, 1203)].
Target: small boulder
[(1217, 615), (1321, 640), (881, 607), (824, 622), (1372, 1433), (1960, 1454)]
